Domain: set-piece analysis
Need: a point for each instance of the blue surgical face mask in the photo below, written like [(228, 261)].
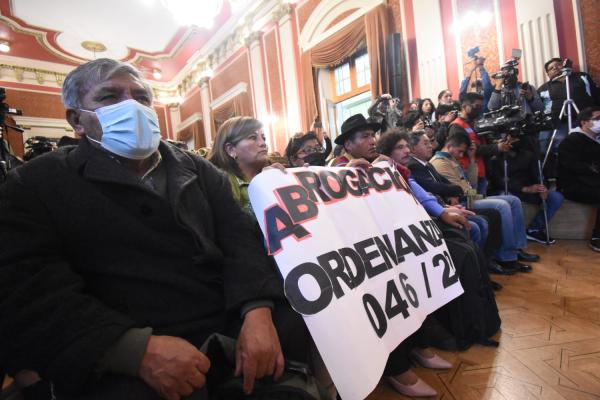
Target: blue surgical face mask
[(129, 129)]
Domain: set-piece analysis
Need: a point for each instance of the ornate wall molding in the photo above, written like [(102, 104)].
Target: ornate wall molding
[(228, 95)]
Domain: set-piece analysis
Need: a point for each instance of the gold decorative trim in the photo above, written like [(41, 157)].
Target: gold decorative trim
[(94, 47), (39, 74)]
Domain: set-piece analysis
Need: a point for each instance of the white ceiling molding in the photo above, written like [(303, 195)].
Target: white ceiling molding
[(241, 87), (316, 28), (255, 9), (195, 117)]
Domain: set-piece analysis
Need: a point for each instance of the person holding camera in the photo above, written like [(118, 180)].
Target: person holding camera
[(471, 108), (508, 91), (386, 111), (583, 91), (482, 86)]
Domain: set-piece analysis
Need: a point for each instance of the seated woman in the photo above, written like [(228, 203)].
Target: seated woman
[(427, 111), (240, 150), (305, 148)]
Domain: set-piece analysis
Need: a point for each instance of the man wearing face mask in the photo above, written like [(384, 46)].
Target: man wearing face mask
[(119, 257), (579, 165), (471, 108)]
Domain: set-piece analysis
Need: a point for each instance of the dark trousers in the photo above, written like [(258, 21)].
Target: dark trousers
[(293, 336), (587, 195), (494, 239)]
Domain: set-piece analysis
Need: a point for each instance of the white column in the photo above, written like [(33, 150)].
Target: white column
[(206, 117), (253, 42), (289, 68)]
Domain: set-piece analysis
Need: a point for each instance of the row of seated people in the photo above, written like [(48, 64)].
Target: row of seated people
[(513, 165), (240, 149), (123, 254), (89, 310)]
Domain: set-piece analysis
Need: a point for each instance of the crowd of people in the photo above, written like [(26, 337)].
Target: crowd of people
[(122, 255)]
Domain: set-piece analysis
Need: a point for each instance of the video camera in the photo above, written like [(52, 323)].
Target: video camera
[(513, 121), (509, 72)]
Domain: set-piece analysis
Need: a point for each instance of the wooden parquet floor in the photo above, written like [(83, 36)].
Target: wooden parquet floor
[(549, 341)]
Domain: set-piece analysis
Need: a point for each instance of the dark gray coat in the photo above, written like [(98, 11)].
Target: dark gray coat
[(87, 251)]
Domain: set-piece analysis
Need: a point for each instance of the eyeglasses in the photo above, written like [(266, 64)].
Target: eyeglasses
[(311, 150)]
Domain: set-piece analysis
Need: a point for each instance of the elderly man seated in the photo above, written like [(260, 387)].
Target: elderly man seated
[(121, 255)]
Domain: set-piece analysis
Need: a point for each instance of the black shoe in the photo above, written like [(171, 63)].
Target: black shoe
[(496, 268), (539, 236), (595, 244), (522, 256), (495, 286), (515, 266)]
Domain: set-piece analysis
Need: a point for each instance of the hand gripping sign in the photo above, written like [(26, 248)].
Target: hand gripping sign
[(361, 261)]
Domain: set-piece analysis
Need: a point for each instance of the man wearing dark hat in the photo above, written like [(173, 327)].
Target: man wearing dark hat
[(359, 142)]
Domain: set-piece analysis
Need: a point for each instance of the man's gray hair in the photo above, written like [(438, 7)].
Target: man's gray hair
[(82, 78), (415, 138)]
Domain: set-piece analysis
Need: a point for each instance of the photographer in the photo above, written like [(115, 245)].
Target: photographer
[(386, 111), (482, 86), (508, 91), (583, 91)]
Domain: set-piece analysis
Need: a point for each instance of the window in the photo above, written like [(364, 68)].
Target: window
[(363, 71), (342, 79), (349, 90), (354, 105)]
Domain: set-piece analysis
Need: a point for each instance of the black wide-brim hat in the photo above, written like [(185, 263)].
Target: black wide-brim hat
[(353, 124)]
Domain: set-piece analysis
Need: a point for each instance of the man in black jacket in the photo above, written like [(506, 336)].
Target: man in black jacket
[(121, 255), (584, 93), (488, 220), (579, 165)]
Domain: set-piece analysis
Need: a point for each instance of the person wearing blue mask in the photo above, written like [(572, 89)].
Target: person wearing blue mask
[(119, 258)]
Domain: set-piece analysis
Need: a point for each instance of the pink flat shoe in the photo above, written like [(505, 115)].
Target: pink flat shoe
[(417, 389), (435, 362)]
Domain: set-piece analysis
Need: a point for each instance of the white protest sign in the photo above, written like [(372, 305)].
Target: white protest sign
[(361, 260)]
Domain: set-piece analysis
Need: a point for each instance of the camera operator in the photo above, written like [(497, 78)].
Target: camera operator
[(584, 93), (482, 86), (386, 111), (508, 91), (471, 108)]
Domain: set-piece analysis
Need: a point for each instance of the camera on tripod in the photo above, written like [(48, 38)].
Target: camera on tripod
[(513, 121)]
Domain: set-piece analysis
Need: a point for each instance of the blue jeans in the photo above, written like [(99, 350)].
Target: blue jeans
[(482, 184), (479, 230), (513, 225), (553, 203), (562, 130)]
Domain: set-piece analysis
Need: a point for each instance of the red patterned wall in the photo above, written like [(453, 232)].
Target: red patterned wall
[(234, 73), (486, 38), (162, 121), (191, 105), (304, 10), (590, 12), (33, 104)]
